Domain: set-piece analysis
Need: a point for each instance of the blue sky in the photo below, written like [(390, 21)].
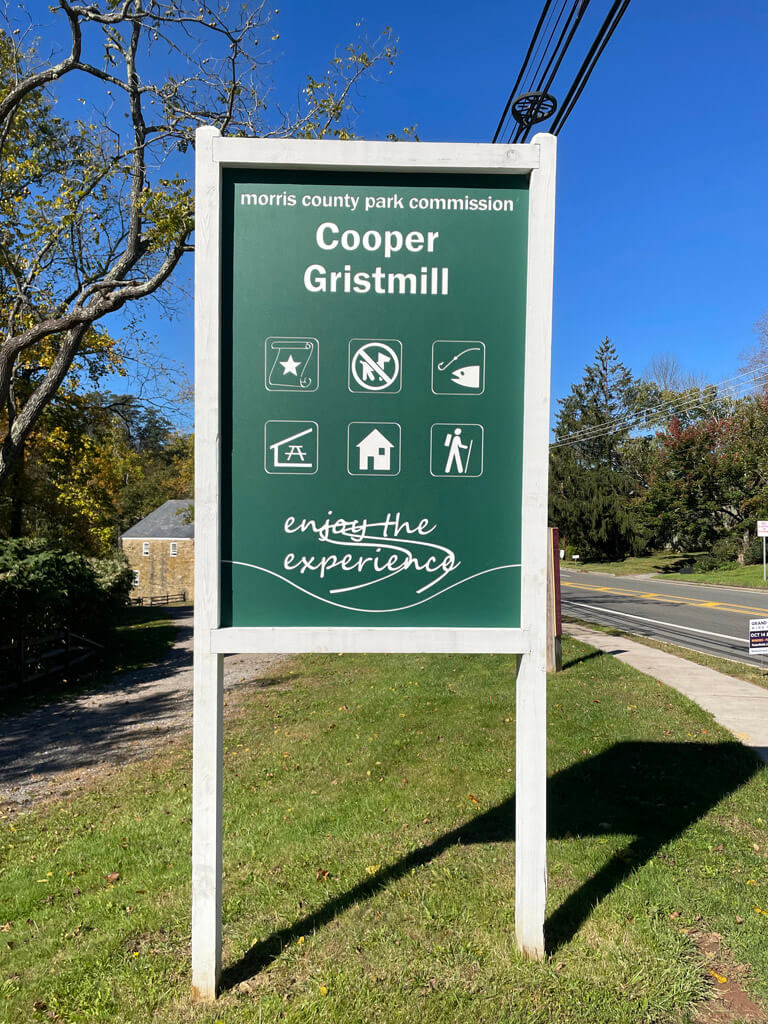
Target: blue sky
[(662, 209)]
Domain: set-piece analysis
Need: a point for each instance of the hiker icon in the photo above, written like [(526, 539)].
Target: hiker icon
[(458, 367), (456, 449)]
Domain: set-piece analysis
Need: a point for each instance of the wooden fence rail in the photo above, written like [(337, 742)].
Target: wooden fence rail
[(160, 599), (45, 658)]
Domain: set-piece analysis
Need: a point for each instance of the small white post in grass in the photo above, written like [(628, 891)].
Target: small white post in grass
[(762, 531)]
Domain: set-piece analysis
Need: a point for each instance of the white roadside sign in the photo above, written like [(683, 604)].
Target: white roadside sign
[(758, 636), (294, 348)]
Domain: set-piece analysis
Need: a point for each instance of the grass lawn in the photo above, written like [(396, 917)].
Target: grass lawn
[(737, 576), (667, 565), (142, 638), (369, 859), (666, 562), (755, 673)]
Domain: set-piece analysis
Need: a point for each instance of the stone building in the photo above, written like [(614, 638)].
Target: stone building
[(161, 551)]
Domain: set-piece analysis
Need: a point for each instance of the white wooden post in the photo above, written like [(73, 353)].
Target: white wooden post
[(208, 674), (206, 825), (531, 700)]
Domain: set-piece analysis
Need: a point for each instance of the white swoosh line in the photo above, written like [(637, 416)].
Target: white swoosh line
[(372, 611), (386, 542)]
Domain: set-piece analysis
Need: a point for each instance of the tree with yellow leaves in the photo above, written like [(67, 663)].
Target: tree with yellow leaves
[(97, 464), (95, 215)]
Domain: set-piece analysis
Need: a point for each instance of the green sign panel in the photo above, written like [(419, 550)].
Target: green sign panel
[(373, 336)]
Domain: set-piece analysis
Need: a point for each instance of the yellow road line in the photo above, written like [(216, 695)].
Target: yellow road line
[(668, 599)]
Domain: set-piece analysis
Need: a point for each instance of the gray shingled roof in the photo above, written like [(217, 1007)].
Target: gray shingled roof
[(168, 521)]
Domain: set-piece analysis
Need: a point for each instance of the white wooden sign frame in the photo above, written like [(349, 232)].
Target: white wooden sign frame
[(535, 160)]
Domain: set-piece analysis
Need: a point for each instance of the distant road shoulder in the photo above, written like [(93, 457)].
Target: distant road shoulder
[(711, 619)]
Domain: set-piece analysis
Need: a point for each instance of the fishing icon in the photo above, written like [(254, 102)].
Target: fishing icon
[(458, 367), (291, 364)]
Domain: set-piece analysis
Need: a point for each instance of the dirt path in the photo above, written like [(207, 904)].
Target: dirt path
[(54, 750)]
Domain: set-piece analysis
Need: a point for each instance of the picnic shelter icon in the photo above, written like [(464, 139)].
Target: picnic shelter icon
[(375, 365), (458, 367), (373, 449), (291, 364), (290, 446), (456, 449)]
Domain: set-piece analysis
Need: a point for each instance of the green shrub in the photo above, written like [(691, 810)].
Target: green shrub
[(724, 554), (45, 590), (753, 551)]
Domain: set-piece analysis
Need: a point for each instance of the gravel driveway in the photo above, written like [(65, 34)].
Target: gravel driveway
[(54, 750)]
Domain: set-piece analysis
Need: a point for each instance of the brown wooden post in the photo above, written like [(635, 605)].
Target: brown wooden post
[(554, 615)]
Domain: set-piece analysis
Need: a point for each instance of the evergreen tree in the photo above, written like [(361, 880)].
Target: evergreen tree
[(594, 478)]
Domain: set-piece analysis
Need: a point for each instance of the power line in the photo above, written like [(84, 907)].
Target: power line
[(667, 410), (700, 403), (707, 396), (530, 101), (521, 72), (609, 428), (509, 112), (529, 86), (544, 82), (735, 383), (584, 73)]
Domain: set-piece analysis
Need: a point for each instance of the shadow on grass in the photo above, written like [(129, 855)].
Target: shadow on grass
[(653, 791), (570, 662), (678, 565)]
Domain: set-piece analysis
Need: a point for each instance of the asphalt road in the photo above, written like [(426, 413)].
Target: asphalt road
[(710, 619)]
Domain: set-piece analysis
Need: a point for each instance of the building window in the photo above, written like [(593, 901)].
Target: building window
[(174, 549), (135, 577), (145, 548)]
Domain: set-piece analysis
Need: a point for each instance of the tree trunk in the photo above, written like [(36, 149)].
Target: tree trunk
[(16, 489)]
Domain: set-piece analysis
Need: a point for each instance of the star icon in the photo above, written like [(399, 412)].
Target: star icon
[(289, 366)]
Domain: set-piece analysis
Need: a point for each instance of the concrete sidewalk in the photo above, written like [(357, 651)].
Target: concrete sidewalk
[(739, 706)]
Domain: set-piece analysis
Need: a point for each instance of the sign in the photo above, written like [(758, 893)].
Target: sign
[(762, 528), (372, 354), (373, 339), (758, 636)]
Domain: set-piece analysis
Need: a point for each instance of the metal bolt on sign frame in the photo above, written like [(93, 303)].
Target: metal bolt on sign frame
[(474, 445)]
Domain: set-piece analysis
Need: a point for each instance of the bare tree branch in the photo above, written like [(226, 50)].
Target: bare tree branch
[(96, 214)]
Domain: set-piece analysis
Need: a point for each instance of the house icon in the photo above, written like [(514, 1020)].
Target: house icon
[(375, 452)]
